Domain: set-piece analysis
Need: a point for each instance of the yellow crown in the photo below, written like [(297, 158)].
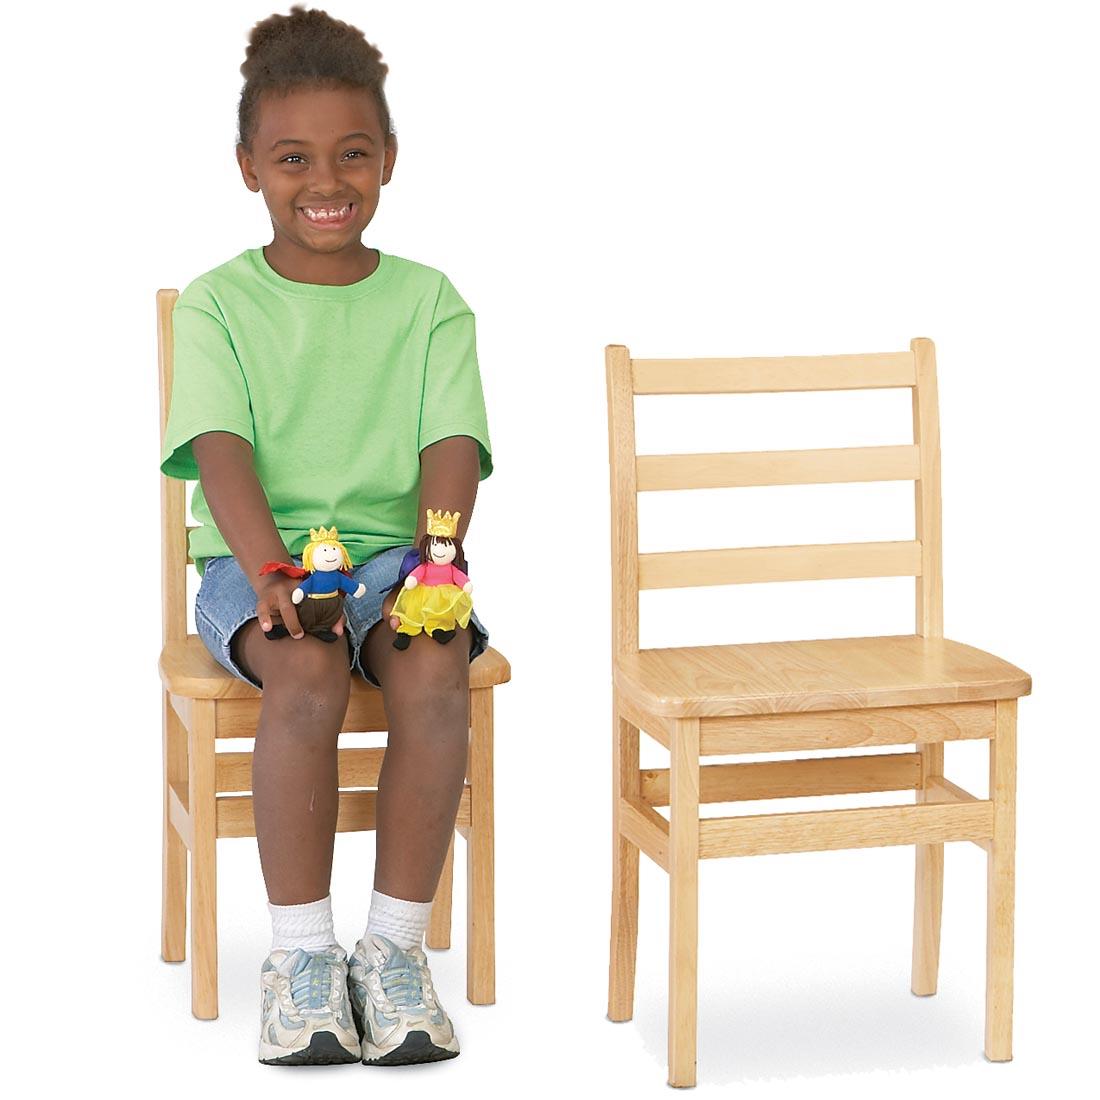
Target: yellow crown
[(443, 524), (323, 535)]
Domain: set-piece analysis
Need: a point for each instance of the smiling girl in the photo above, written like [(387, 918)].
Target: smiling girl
[(321, 381)]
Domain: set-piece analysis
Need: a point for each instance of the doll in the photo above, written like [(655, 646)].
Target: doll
[(320, 597), (435, 597)]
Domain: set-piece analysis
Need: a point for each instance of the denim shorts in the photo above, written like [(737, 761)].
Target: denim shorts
[(226, 601)]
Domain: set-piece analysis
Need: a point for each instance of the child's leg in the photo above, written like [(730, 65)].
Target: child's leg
[(425, 691), (306, 684)]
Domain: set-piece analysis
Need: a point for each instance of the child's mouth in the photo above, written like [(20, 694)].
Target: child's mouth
[(328, 217)]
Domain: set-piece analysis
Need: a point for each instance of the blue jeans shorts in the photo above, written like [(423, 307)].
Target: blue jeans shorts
[(226, 601)]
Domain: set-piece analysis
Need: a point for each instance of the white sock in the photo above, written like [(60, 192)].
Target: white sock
[(308, 926), (404, 922)]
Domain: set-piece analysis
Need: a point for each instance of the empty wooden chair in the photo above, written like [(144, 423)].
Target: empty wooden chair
[(920, 689), (205, 792)]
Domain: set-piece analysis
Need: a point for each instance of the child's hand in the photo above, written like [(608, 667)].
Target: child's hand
[(274, 603)]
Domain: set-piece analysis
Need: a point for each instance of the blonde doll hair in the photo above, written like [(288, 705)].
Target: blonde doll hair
[(307, 553)]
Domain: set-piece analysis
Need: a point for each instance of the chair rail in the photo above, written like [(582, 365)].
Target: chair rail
[(775, 374)]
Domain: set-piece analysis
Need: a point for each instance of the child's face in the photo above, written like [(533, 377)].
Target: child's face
[(326, 558), (442, 553), (328, 152)]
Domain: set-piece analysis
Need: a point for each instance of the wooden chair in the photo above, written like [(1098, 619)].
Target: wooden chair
[(203, 789), (835, 693)]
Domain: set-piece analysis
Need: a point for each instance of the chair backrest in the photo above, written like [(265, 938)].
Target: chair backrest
[(632, 473), (174, 557)]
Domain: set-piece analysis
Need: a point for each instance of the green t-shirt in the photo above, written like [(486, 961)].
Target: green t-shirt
[(337, 388)]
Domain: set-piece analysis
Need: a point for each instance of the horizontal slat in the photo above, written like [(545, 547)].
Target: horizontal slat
[(898, 771), (838, 729), (939, 789), (815, 467), (752, 564), (774, 374), (358, 768), (365, 713), (356, 812), (943, 790), (827, 830), (645, 829)]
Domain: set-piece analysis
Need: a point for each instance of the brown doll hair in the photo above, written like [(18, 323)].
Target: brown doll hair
[(308, 49), (426, 547)]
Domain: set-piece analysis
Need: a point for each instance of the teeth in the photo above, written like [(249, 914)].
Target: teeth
[(325, 215)]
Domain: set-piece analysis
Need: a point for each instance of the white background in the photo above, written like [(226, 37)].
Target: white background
[(689, 179)]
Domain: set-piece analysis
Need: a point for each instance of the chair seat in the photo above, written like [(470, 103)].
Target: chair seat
[(818, 674), (187, 669)]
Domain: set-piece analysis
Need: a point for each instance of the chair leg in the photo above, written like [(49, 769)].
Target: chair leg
[(202, 802), (438, 936), (683, 927), (173, 891), (1001, 886), (928, 892), (480, 938), (624, 874)]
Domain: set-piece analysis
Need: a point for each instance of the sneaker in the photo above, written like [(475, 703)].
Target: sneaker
[(305, 1015), (395, 1006)]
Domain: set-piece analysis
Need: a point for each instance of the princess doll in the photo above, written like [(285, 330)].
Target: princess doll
[(436, 595), (326, 567)]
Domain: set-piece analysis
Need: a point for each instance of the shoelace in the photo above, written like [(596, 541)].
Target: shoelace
[(311, 987), (401, 983)]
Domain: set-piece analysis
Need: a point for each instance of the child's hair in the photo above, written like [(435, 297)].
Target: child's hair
[(426, 549), (308, 49)]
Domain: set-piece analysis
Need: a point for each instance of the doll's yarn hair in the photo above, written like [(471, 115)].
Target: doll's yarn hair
[(307, 554), (308, 49), (426, 549)]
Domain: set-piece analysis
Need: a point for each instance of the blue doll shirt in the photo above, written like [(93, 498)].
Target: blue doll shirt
[(322, 583)]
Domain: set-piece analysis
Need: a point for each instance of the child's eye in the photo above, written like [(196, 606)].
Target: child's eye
[(287, 158)]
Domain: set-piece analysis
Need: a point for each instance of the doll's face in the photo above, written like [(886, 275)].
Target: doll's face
[(326, 558), (441, 553)]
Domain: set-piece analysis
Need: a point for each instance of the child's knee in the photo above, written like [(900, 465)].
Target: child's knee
[(308, 677), (434, 677)]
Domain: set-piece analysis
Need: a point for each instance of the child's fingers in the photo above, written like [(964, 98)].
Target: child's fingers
[(289, 612), (266, 614)]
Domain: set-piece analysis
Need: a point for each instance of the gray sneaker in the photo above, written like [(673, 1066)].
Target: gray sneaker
[(395, 1006), (305, 1015)]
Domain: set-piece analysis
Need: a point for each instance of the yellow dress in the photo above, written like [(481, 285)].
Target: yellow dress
[(431, 607)]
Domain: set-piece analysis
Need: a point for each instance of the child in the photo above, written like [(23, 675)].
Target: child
[(318, 381)]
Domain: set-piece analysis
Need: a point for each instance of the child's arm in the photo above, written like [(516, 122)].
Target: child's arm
[(237, 500), (243, 516), (449, 472)]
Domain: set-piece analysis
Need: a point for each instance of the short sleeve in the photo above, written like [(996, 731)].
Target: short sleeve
[(453, 402), (209, 391)]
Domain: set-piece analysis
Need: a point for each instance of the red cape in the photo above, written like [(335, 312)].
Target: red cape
[(289, 569)]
